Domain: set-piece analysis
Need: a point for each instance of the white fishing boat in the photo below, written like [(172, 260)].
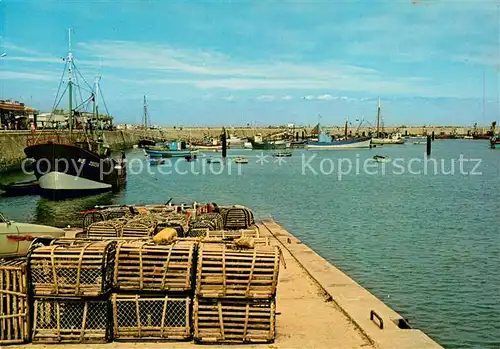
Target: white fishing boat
[(391, 139)]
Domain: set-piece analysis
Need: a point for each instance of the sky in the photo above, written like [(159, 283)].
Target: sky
[(266, 62)]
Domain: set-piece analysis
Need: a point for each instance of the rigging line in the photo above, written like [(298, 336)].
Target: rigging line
[(59, 88), (51, 113), (79, 88), (78, 71), (104, 101)]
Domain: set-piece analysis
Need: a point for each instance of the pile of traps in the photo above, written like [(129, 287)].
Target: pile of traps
[(213, 286)]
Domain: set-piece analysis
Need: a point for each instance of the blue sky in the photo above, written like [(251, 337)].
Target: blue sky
[(262, 62)]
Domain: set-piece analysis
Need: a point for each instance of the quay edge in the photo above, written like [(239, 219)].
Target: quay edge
[(354, 300)]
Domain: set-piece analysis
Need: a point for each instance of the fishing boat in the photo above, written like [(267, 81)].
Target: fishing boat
[(326, 141), (382, 159), (143, 143), (282, 154), (420, 142), (382, 138), (21, 188), (259, 144), (240, 160), (76, 164), (175, 149)]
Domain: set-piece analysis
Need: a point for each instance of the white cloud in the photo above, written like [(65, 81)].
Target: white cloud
[(266, 98), (287, 98), (27, 76), (228, 98), (325, 97), (309, 97)]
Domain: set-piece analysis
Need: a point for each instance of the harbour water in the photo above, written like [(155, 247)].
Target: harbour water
[(426, 244)]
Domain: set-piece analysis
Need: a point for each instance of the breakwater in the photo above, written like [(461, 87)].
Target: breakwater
[(12, 144)]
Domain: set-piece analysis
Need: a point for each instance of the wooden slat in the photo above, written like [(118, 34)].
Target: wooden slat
[(234, 321), (14, 317)]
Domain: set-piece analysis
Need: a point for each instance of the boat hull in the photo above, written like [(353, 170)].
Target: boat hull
[(268, 145), (21, 188), (387, 141), (345, 144), (65, 170), (169, 153)]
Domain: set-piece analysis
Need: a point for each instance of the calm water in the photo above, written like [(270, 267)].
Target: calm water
[(427, 245)]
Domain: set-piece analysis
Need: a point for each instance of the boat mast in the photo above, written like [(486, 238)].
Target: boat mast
[(145, 121), (70, 83), (484, 103), (378, 117)]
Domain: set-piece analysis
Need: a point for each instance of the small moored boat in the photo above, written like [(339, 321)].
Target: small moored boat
[(282, 154), (21, 188), (241, 160), (382, 159)]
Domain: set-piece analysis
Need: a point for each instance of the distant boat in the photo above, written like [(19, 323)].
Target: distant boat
[(172, 150), (495, 139), (214, 161), (382, 159), (392, 139), (259, 144), (156, 161), (191, 157), (21, 188), (143, 143), (241, 160), (282, 154), (420, 142)]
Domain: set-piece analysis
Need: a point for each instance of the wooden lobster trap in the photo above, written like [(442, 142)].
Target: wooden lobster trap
[(83, 269), (145, 266), (152, 318), (237, 217), (14, 310), (105, 229), (224, 271), (144, 226), (234, 321), (212, 221), (66, 320)]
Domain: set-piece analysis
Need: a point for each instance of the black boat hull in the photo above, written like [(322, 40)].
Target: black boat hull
[(65, 170)]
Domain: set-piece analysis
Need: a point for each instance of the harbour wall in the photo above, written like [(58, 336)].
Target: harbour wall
[(12, 144)]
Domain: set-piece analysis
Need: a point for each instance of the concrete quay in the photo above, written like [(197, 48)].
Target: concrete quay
[(318, 306)]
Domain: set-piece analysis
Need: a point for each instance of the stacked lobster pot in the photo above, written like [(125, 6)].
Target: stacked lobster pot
[(153, 290), (235, 294), (71, 283), (14, 309)]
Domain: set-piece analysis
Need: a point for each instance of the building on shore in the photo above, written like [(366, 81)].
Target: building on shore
[(15, 115)]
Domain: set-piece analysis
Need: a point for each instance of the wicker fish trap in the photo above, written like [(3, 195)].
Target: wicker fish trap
[(224, 271), (73, 270), (234, 321), (14, 310), (66, 320), (152, 318), (142, 266)]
